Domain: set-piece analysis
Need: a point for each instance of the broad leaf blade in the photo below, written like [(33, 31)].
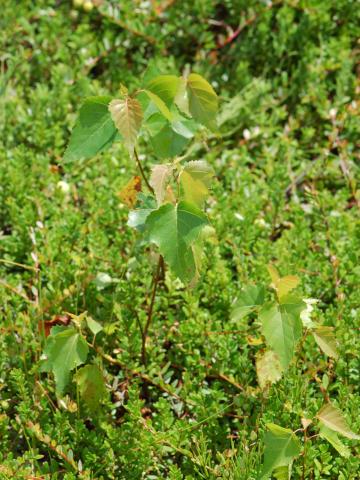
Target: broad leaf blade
[(281, 330), (332, 418), (195, 179), (334, 440), (325, 338), (165, 87), (249, 298), (281, 447), (127, 115), (174, 229), (94, 130), (160, 104), (160, 175), (91, 386), (65, 350), (203, 101), (268, 369)]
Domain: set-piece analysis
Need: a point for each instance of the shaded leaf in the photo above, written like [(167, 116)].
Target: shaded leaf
[(281, 447), (127, 115), (174, 229), (332, 418), (65, 350), (159, 178), (195, 179), (249, 298), (325, 338), (91, 386), (203, 101), (94, 130), (268, 368)]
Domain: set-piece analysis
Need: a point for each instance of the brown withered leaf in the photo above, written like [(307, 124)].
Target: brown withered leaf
[(56, 320), (129, 193)]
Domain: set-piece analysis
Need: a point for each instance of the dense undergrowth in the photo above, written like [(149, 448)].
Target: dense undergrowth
[(285, 193)]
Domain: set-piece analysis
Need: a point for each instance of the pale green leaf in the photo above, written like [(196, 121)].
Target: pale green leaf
[(325, 338), (249, 298), (282, 285), (333, 439), (203, 101), (160, 175), (268, 369), (181, 99), (195, 179), (94, 130), (65, 350), (282, 330), (282, 473), (281, 447), (160, 104), (127, 115), (91, 386), (332, 418), (174, 229), (307, 312), (93, 325), (165, 87)]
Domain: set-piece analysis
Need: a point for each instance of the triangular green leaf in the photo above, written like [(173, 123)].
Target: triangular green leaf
[(160, 104), (127, 115), (203, 101), (325, 338), (334, 440), (268, 368), (249, 298), (174, 229), (65, 350), (281, 447), (195, 179), (165, 87), (93, 325), (91, 386), (94, 130), (332, 418), (282, 330)]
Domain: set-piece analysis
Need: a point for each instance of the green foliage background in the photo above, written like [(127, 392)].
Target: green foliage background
[(286, 166)]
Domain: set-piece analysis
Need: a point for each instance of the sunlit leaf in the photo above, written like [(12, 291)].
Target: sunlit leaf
[(160, 175), (65, 350), (203, 101), (281, 447), (282, 285), (93, 325), (195, 179), (268, 368), (306, 313), (325, 338), (91, 386), (282, 330), (174, 229), (127, 115), (332, 418), (248, 299), (333, 439), (94, 130), (282, 473), (160, 104), (129, 193), (165, 87)]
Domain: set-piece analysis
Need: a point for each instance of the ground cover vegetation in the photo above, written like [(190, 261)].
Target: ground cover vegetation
[(179, 239)]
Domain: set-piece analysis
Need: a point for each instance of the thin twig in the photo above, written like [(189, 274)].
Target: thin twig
[(150, 311), (142, 172)]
